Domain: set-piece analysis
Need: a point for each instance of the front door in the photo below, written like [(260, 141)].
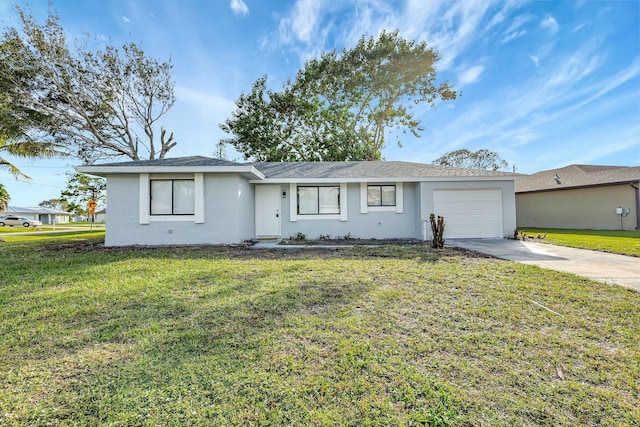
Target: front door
[(267, 211)]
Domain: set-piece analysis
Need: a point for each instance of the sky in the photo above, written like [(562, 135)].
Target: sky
[(545, 84)]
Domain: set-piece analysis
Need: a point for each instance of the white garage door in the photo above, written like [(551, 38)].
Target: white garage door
[(469, 213)]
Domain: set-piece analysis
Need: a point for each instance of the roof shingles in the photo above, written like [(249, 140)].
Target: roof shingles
[(576, 176), (176, 161), (364, 169), (321, 170)]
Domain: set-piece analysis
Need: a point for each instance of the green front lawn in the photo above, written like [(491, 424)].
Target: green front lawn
[(48, 228), (618, 242), (395, 335)]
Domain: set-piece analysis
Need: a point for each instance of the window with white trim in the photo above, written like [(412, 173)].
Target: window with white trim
[(172, 197), (381, 195), (315, 200)]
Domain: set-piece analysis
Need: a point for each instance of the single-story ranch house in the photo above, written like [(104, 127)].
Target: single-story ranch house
[(200, 200), (45, 215), (580, 197)]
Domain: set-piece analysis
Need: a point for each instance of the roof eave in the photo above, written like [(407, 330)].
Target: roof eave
[(248, 171)]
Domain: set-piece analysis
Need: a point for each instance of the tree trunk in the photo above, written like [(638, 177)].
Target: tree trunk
[(437, 229)]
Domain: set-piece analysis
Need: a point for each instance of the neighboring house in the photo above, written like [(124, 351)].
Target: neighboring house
[(100, 216), (580, 197), (45, 215), (199, 200)]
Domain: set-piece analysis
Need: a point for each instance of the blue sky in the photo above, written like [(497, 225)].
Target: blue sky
[(544, 83)]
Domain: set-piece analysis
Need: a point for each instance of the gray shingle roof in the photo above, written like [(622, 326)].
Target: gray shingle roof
[(314, 170), (177, 161), (382, 169), (575, 176)]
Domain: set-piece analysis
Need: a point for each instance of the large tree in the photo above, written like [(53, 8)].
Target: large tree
[(96, 102), (339, 106), (481, 159), (13, 144), (80, 189), (57, 204), (19, 138)]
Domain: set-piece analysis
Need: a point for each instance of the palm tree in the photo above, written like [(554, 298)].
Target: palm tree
[(4, 198), (28, 150), (16, 126), (22, 149)]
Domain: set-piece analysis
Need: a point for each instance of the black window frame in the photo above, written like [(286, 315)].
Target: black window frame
[(317, 187), (172, 196), (379, 186)]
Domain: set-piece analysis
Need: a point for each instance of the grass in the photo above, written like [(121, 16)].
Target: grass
[(48, 228), (618, 242), (362, 336)]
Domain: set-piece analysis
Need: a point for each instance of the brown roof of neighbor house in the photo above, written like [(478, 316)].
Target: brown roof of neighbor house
[(576, 176)]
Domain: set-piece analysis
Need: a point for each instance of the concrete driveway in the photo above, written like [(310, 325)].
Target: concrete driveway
[(608, 268)]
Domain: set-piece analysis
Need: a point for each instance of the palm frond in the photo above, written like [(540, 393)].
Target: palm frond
[(32, 149), (13, 170)]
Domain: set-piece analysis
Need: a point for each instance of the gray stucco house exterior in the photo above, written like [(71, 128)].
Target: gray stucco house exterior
[(200, 200)]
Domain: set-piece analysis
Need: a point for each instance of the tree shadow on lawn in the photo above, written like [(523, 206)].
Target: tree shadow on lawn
[(123, 338), (241, 336)]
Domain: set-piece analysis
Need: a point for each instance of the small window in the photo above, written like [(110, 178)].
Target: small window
[(318, 200), (173, 197), (381, 195)]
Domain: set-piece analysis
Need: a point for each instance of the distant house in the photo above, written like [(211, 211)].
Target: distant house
[(580, 197), (200, 200), (45, 215), (101, 215)]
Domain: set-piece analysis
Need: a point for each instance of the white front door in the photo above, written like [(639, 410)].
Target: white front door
[(267, 211)]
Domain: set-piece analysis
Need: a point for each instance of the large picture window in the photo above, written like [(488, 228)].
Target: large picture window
[(381, 195), (172, 197), (318, 200)]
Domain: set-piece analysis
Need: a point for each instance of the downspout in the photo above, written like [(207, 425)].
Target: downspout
[(637, 204)]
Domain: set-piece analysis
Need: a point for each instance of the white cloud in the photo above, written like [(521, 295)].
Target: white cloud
[(554, 105), (470, 75), (452, 28), (515, 29), (578, 28), (239, 7), (449, 27), (550, 24), (503, 14), (125, 19), (302, 22), (535, 60), (574, 68), (206, 103), (195, 118)]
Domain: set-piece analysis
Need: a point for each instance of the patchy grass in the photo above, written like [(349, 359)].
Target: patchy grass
[(397, 335), (19, 229), (618, 242), (49, 228), (96, 236)]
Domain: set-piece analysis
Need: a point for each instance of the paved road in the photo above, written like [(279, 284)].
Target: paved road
[(608, 268)]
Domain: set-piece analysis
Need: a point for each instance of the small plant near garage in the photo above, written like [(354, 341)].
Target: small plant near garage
[(437, 229)]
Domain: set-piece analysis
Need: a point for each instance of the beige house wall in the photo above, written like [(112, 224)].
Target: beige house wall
[(584, 208)]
